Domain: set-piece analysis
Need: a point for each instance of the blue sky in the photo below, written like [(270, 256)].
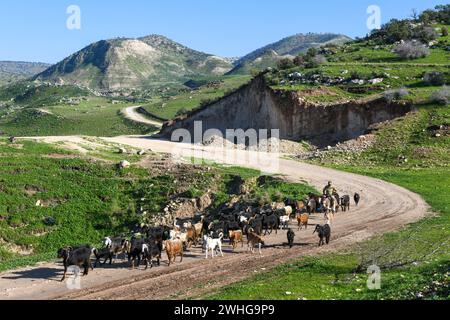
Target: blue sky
[(36, 30)]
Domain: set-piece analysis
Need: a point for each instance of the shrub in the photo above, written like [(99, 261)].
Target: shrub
[(395, 94), (425, 34), (300, 60), (444, 32), (411, 50), (318, 60), (355, 75), (181, 112), (312, 52), (441, 96), (285, 63), (434, 78)]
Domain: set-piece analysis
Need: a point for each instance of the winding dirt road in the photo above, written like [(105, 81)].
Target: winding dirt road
[(384, 207), (131, 113)]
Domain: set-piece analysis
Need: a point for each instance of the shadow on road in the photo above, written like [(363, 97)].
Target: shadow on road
[(53, 274)]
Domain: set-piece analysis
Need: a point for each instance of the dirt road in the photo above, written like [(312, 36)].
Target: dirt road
[(384, 207), (132, 114)]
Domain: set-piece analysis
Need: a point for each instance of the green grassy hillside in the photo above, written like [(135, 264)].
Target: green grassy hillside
[(29, 109), (169, 107)]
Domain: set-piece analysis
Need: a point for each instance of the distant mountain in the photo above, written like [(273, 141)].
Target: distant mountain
[(155, 61), (11, 71), (151, 61), (269, 55)]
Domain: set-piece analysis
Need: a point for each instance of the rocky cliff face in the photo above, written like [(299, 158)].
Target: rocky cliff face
[(256, 106)]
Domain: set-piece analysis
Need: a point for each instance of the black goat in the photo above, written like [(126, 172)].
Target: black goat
[(76, 256), (290, 237), (357, 198), (270, 222), (256, 224), (345, 203), (136, 251), (151, 249), (324, 233), (105, 253), (116, 245)]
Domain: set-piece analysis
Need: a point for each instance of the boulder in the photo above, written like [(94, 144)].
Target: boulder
[(50, 221), (124, 164)]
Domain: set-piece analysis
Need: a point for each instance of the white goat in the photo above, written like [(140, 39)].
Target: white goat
[(213, 244)]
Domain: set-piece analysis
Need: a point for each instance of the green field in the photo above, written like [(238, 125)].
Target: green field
[(93, 116), (169, 108)]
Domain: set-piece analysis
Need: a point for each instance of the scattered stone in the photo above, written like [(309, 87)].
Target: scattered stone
[(124, 164), (50, 221), (122, 150), (376, 80), (141, 152)]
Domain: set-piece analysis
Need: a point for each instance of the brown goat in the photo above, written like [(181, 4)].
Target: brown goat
[(235, 238), (253, 240), (191, 236), (302, 220), (174, 248)]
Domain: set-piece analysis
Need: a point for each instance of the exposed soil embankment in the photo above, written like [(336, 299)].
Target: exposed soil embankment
[(256, 106)]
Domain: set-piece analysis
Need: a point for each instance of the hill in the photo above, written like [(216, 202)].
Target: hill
[(151, 61), (269, 55), (11, 71)]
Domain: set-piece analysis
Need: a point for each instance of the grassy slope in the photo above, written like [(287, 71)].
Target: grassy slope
[(87, 199), (93, 116), (368, 61), (167, 108), (425, 273)]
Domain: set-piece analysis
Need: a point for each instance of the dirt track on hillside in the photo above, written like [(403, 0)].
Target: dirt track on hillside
[(131, 113), (384, 207)]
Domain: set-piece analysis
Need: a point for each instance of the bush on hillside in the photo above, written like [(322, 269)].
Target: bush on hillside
[(317, 61), (310, 60), (411, 50), (419, 29), (444, 31), (300, 60), (181, 112), (395, 94), (425, 34), (440, 14), (285, 63), (441, 96), (434, 78)]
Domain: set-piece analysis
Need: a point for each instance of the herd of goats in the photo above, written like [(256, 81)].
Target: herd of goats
[(233, 222)]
